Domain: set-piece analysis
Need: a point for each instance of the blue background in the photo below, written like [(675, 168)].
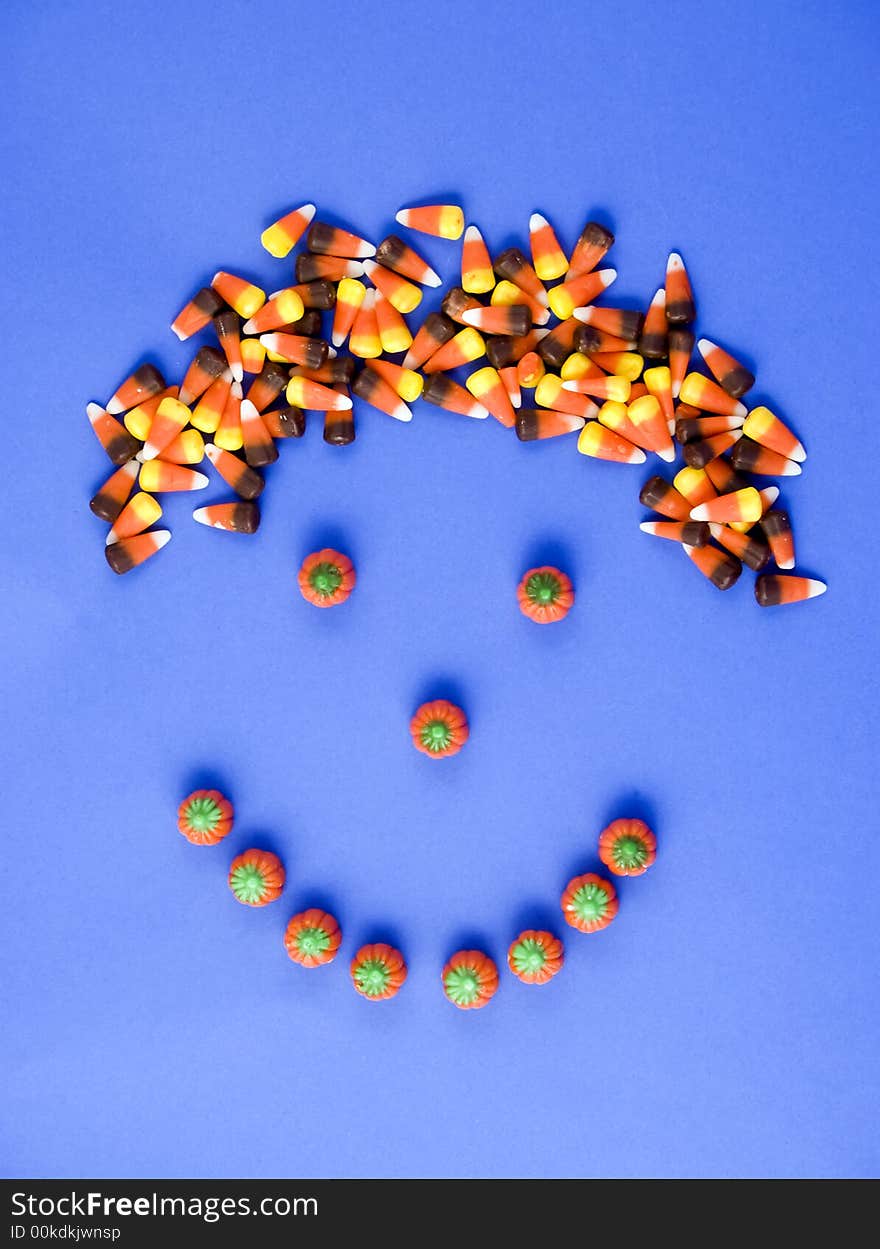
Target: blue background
[(727, 1024)]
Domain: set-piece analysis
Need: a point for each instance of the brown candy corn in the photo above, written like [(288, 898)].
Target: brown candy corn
[(246, 483), (679, 296), (773, 590), (719, 567), (750, 457), (331, 241), (661, 496), (112, 435), (238, 517), (436, 330), (753, 553), (734, 377), (592, 245), (778, 532), (112, 497), (535, 423), (128, 553), (690, 532)]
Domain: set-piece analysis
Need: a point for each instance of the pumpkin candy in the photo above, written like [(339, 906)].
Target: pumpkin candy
[(545, 594), (589, 903), (470, 979), (535, 957), (439, 729), (378, 971), (312, 938), (627, 847), (205, 817), (256, 877), (326, 578)]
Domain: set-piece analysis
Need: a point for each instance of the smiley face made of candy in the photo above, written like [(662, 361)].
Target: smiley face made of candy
[(516, 326)]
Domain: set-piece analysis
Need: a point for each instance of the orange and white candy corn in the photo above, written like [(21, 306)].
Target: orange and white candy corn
[(750, 457), (330, 240), (591, 247), (142, 384), (443, 392), (237, 517), (509, 375), (111, 497), (445, 221), (119, 444), (652, 340), (373, 389), (280, 238), (394, 254), (245, 481), (207, 365), (533, 424), (774, 590), (734, 377), (549, 393), (513, 320), (195, 315), (477, 274), (259, 449), (679, 296), (659, 384), (606, 387)]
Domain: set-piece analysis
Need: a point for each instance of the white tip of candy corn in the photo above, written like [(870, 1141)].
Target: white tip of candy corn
[(667, 453), (792, 469), (213, 453), (815, 587), (648, 526), (798, 454), (537, 222), (705, 345), (237, 371), (674, 262), (94, 412), (248, 410), (769, 495), (607, 276)]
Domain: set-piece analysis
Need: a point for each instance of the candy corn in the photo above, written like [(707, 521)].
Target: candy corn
[(734, 377), (602, 444), (659, 384), (719, 567), (699, 454), (304, 393), (394, 254), (778, 532), (238, 517), (240, 294), (280, 238), (187, 448), (141, 512), (259, 449), (614, 416), (267, 386), (445, 221), (504, 351), (514, 266), (754, 554), (652, 340), (618, 321), (138, 420), (228, 433), (339, 430), (404, 382), (309, 267), (751, 457), (331, 241), (720, 471), (112, 435), (198, 313), (762, 426), (660, 496), (535, 423), (477, 274), (144, 382), (700, 392), (679, 297), (487, 387), (628, 364), (338, 369), (773, 590), (695, 428), (126, 554), (207, 412), (436, 330), (246, 483), (319, 294), (283, 308), (593, 243), (647, 416), (110, 499), (513, 320), (374, 390), (364, 340), (455, 302), (548, 258), (349, 297), (510, 381), (171, 417), (287, 422), (401, 294), (690, 532), (465, 347), (576, 292), (680, 345), (309, 352), (530, 369), (550, 393), (226, 327), (394, 332), (506, 295), (443, 392), (555, 347), (207, 365), (157, 477), (695, 485), (742, 505)]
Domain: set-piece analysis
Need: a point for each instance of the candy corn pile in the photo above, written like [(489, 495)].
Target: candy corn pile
[(620, 380)]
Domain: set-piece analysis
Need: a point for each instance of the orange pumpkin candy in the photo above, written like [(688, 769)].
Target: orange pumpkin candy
[(545, 594), (470, 979), (439, 729), (256, 877), (326, 578), (205, 817), (312, 938), (378, 971), (627, 847), (589, 902), (535, 957)]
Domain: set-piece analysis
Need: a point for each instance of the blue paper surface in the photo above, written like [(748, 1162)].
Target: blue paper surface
[(727, 1023)]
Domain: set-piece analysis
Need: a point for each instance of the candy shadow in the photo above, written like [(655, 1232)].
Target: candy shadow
[(548, 549), (262, 840), (630, 803), (540, 916), (376, 933), (469, 939), (321, 534), (205, 778), (441, 685), (307, 899)]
